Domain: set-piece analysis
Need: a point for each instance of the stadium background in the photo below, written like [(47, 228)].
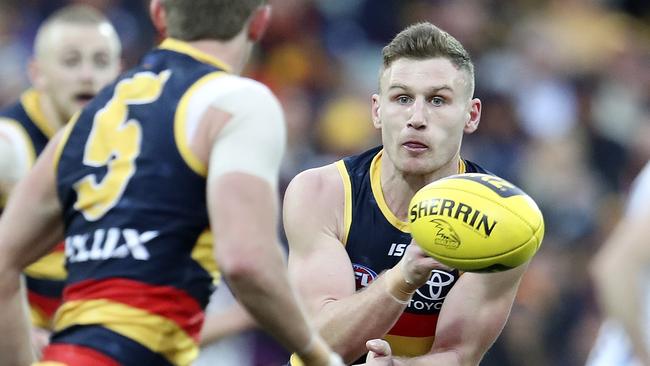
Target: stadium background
[(566, 116)]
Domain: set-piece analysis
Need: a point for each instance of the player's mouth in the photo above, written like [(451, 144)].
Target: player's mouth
[(83, 98), (415, 146)]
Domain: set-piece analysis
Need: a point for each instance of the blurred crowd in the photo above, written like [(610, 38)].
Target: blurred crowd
[(565, 86)]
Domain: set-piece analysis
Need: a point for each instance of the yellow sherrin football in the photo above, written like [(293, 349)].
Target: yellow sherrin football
[(476, 223)]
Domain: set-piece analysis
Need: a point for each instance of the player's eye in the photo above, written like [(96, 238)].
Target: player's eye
[(101, 60), (437, 101), (403, 99), (71, 61)]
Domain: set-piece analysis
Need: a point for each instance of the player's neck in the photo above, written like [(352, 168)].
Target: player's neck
[(399, 187), (234, 52), (52, 117)]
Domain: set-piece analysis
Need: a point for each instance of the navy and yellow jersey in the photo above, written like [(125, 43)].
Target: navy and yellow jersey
[(138, 249), (375, 240), (45, 277)]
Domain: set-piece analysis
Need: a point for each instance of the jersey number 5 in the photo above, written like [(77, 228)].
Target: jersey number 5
[(114, 142)]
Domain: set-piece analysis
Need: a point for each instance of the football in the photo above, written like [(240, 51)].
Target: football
[(476, 223)]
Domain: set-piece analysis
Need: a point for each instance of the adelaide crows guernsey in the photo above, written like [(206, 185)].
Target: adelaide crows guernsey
[(138, 251), (46, 276), (375, 241)]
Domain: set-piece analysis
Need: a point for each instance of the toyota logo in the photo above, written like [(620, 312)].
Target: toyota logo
[(436, 285)]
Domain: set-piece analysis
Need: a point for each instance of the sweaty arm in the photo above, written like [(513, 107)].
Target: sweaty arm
[(320, 267), (29, 227), (626, 252), (242, 201)]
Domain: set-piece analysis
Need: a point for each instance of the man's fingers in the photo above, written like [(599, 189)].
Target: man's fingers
[(379, 347)]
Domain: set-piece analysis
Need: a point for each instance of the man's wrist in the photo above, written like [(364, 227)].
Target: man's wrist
[(318, 353), (398, 287)]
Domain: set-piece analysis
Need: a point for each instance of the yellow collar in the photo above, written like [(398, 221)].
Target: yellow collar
[(185, 48), (31, 103), (378, 193)]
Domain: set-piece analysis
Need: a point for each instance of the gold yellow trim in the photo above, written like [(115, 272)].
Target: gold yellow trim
[(180, 123), (49, 267), (31, 152), (462, 167), (347, 209), (409, 346), (67, 130), (38, 317), (184, 47), (203, 254), (31, 102), (155, 332), (295, 360), (375, 184)]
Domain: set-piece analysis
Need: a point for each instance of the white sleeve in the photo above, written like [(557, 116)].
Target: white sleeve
[(16, 152), (639, 199), (253, 140)]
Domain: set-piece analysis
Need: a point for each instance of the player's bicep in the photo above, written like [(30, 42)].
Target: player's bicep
[(318, 262)]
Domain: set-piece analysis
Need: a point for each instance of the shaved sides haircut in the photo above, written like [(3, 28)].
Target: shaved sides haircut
[(191, 20)]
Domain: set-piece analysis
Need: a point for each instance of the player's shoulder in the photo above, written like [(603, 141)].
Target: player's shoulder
[(320, 186), (12, 131), (229, 85)]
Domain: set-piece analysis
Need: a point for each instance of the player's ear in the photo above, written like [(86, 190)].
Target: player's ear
[(473, 116), (35, 75), (158, 17), (259, 22), (376, 111)]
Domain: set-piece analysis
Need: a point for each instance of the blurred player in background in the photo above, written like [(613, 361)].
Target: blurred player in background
[(620, 271), (76, 53), (177, 145), (346, 222)]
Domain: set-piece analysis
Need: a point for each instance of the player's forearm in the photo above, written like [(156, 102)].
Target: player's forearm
[(348, 323), (260, 283), (14, 342)]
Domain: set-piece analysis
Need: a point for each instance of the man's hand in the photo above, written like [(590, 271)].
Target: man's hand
[(379, 353), (416, 266)]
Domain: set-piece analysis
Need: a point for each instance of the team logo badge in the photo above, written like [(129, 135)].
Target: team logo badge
[(363, 275)]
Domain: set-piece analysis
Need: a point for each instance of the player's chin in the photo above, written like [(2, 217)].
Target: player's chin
[(416, 166)]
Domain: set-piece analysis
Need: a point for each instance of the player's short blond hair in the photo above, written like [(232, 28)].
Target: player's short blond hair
[(72, 14), (423, 41), (191, 20)]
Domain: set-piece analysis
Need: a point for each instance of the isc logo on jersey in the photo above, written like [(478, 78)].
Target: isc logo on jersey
[(363, 275), (105, 244)]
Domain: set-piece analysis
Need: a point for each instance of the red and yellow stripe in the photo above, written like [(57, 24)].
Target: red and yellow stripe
[(162, 318)]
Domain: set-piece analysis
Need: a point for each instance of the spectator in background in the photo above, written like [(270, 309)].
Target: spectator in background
[(76, 53)]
